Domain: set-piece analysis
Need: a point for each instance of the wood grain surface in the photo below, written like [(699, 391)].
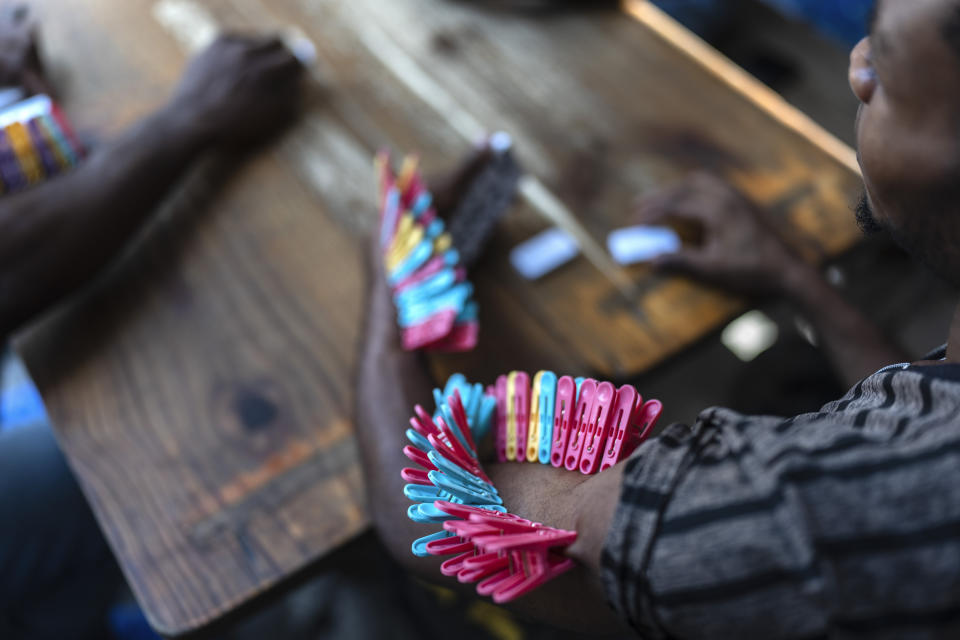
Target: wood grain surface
[(203, 389)]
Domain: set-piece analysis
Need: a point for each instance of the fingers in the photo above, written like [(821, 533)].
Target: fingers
[(688, 262), (656, 207), (282, 62), (266, 44), (36, 83), (702, 198)]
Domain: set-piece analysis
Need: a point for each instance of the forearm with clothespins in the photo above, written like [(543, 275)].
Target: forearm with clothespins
[(394, 381)]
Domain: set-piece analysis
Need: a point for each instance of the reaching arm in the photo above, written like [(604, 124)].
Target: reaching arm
[(855, 346), (57, 236), (742, 252)]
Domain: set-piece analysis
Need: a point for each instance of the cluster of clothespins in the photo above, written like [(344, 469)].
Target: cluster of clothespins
[(36, 143), (434, 300), (505, 554), (579, 424)]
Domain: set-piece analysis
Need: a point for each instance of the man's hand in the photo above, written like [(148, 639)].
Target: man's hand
[(240, 91), (740, 251), (20, 63)]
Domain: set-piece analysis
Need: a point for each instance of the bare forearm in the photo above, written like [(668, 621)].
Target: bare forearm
[(57, 236), (855, 346), (392, 382)]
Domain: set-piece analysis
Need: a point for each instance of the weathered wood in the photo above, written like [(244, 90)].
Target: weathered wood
[(203, 390)]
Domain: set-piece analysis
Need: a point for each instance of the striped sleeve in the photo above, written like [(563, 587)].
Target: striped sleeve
[(844, 522)]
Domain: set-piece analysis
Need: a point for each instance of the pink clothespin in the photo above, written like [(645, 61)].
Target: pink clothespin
[(500, 435), (455, 452), (535, 570), (418, 457), (416, 476), (464, 511), (624, 409), (455, 402), (521, 405), (423, 424), (463, 337), (540, 539), (433, 266), (385, 175), (562, 418), (586, 406), (449, 546), (433, 330), (597, 428), (482, 566), (646, 419), (454, 566)]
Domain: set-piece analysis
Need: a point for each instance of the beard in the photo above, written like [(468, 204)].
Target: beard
[(865, 219), (936, 244)]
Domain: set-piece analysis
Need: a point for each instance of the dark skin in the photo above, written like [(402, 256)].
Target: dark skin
[(563, 500), (908, 144), (743, 253), (20, 61), (54, 238)]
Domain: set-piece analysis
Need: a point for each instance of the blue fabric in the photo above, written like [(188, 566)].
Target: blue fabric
[(57, 576), (20, 402), (844, 20)]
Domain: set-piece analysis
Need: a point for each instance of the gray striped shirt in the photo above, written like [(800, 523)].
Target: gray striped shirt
[(842, 523)]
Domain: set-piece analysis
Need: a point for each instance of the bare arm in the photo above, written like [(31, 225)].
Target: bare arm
[(57, 236), (398, 380), (855, 346), (742, 252)]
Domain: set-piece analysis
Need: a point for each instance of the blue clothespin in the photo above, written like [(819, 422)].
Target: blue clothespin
[(469, 495), (469, 313), (424, 494), (423, 202), (443, 411), (428, 513), (464, 476), (473, 406), (419, 546), (417, 257), (451, 257), (487, 408), (454, 298), (454, 382), (579, 382), (429, 288), (548, 401), (391, 212), (419, 441)]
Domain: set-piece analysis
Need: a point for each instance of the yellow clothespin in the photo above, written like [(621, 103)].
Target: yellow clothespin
[(407, 171), (512, 416), (533, 432), (442, 243), (403, 249)]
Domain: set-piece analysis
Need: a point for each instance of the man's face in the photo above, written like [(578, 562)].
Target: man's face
[(907, 77)]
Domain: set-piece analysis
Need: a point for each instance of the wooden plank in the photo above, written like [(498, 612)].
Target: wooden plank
[(203, 390)]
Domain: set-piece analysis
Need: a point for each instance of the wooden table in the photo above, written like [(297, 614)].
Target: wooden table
[(203, 390)]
